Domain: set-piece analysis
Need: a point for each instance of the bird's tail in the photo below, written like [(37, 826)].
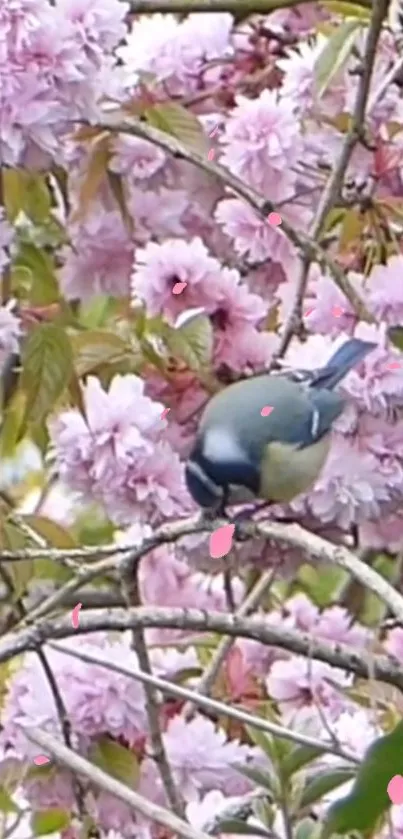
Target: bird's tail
[(343, 360)]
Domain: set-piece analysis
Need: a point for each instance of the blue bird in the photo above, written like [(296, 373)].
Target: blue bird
[(240, 455)]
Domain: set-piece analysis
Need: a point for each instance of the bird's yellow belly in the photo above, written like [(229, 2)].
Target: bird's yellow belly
[(288, 472)]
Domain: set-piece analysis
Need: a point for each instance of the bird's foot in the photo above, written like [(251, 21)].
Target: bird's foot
[(246, 515)]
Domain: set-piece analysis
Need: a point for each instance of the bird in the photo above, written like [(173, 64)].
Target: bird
[(240, 455)]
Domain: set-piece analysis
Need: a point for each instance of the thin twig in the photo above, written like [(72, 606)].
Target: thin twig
[(206, 702), (210, 674), (131, 593), (332, 192), (120, 123), (97, 777), (334, 185)]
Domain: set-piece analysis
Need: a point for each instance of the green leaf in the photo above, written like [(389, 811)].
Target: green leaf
[(192, 342), (95, 172), (116, 185), (57, 537), (43, 287), (13, 425), (116, 760), (49, 821), (306, 829), (6, 802), (261, 740), (300, 757), (26, 191), (47, 364), (174, 119), (368, 800), (259, 777), (339, 7), (395, 335), (335, 53), (95, 348), (20, 572), (54, 533), (324, 782)]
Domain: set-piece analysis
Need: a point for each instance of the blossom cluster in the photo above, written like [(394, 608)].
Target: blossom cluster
[(128, 221)]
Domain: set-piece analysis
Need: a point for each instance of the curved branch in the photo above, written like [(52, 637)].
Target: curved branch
[(258, 628)]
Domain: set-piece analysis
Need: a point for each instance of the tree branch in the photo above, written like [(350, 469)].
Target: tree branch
[(292, 535), (334, 186), (251, 602), (80, 766), (206, 702), (131, 592), (333, 189), (121, 123), (239, 8), (257, 627)]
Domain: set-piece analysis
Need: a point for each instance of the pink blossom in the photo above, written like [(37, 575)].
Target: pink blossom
[(302, 612), (202, 758), (262, 142), (159, 267), (386, 292), (326, 301), (253, 236), (48, 78), (99, 259), (10, 334), (175, 51), (136, 158), (236, 317), (98, 701), (386, 534), (115, 455), (157, 213), (350, 488), (376, 386), (298, 682), (97, 25), (299, 73), (394, 643), (336, 624)]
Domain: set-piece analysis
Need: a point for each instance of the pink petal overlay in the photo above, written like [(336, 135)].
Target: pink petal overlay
[(266, 411), (309, 312), (164, 413), (337, 311), (214, 131), (40, 760), (178, 288), (394, 365), (221, 541), (211, 154), (75, 618), (395, 789), (274, 219)]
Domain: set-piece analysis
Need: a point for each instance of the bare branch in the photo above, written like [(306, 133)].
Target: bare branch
[(121, 123), (292, 535), (210, 674), (195, 620), (239, 8), (78, 765), (131, 592), (206, 702), (332, 192), (334, 186)]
